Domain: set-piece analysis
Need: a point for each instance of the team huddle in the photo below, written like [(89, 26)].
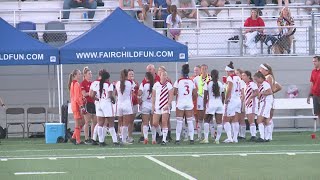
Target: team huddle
[(202, 103)]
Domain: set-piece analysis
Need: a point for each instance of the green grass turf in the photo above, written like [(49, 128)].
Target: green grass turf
[(136, 166)]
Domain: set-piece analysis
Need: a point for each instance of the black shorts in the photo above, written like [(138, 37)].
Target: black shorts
[(316, 105), (91, 108)]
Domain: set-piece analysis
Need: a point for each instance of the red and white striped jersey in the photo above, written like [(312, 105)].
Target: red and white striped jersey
[(248, 91), (185, 87), (263, 87), (162, 94)]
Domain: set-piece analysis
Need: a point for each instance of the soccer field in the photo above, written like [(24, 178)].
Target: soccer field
[(288, 156)]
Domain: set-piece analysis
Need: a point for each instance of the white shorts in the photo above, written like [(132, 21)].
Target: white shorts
[(214, 107), (239, 107), (252, 110), (233, 107), (265, 109), (184, 107), (104, 109), (200, 103), (161, 111), (146, 108), (124, 109), (135, 109)]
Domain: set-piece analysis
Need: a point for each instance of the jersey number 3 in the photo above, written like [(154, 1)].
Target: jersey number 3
[(187, 91)]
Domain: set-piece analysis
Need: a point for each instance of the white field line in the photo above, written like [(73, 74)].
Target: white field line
[(164, 155), (37, 173), (185, 175), (157, 148), (192, 153)]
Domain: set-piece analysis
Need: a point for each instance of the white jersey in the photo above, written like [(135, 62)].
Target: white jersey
[(236, 88), (185, 87), (95, 86), (125, 97), (162, 94), (213, 100), (146, 94), (263, 87)]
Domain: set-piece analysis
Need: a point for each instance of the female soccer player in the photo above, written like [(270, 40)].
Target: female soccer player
[(266, 70), (145, 95), (77, 105), (251, 102), (135, 91), (185, 90), (265, 105), (240, 115), (232, 104), (124, 104), (200, 81), (162, 95), (89, 104), (213, 101)]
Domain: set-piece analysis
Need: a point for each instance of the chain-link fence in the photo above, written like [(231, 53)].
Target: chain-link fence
[(316, 26)]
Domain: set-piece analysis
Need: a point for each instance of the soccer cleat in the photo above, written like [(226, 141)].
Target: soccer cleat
[(186, 139), (241, 138), (216, 142), (94, 143), (253, 139), (88, 141), (141, 139), (177, 142), (145, 141), (191, 142), (169, 139), (159, 140), (235, 141), (102, 144), (126, 143), (205, 141), (267, 140), (73, 141), (154, 142), (198, 139), (228, 141), (259, 140), (130, 140), (116, 144), (163, 143)]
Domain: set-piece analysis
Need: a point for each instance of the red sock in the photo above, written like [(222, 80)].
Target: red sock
[(77, 135)]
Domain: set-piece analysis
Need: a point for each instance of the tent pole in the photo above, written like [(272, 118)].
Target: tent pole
[(54, 87), (176, 71), (59, 98), (61, 81), (49, 86)]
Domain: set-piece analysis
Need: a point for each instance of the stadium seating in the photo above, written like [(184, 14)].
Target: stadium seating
[(27, 25), (55, 38)]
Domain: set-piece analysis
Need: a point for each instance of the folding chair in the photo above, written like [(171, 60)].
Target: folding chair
[(36, 111), (15, 122), (52, 111)]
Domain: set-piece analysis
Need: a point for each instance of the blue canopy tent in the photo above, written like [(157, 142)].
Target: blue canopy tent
[(122, 39), (18, 48)]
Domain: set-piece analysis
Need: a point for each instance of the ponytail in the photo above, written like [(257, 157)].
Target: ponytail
[(123, 78), (105, 76), (71, 76), (173, 9), (151, 81), (215, 84)]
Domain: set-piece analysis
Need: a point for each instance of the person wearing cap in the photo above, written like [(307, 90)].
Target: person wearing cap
[(314, 92), (232, 104)]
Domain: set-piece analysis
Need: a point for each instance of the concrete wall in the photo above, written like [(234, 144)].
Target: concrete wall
[(28, 85)]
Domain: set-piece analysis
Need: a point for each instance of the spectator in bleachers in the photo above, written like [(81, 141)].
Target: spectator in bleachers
[(144, 2), (161, 11), (283, 22), (311, 3), (145, 16), (127, 6), (281, 2), (189, 10), (214, 3), (255, 22), (68, 4), (174, 21)]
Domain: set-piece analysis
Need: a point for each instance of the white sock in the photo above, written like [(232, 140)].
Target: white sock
[(124, 133), (261, 130), (235, 127), (145, 132), (95, 133), (154, 133), (178, 128), (212, 128), (113, 134), (159, 130), (164, 134), (190, 127), (272, 126), (227, 128), (253, 130), (219, 131), (206, 131), (243, 130), (267, 132), (101, 134)]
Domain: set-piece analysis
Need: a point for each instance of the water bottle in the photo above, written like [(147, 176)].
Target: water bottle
[(85, 15)]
